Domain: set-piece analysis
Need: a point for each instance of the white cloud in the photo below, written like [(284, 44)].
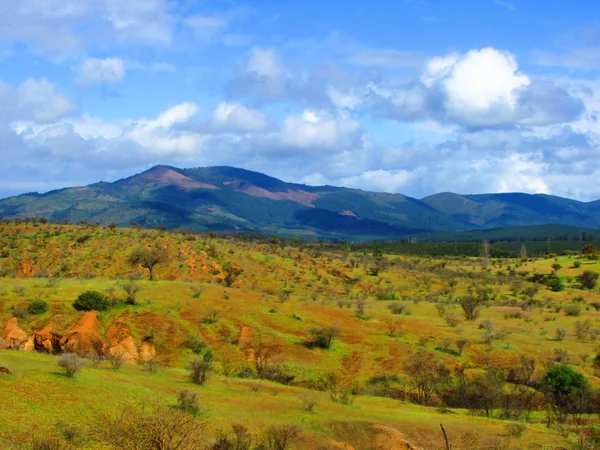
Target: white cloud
[(231, 116), (478, 89), (96, 71), (55, 26), (34, 99), (482, 80), (313, 130), (378, 180), (264, 63)]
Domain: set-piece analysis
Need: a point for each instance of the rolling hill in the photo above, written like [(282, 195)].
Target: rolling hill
[(232, 199)]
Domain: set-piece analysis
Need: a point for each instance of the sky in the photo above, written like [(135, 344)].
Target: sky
[(408, 96)]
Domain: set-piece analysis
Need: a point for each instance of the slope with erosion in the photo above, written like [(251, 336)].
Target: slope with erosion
[(282, 293)]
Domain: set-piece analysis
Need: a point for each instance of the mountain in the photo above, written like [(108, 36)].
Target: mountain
[(232, 199), (516, 209)]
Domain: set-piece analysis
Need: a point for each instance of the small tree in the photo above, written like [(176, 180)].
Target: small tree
[(322, 337), (90, 301), (461, 344), (589, 250), (426, 374), (131, 290), (565, 388), (230, 274), (279, 437), (588, 279), (70, 363), (149, 258), (556, 267), (470, 306)]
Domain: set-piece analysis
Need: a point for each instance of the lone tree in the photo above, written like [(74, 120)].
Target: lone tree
[(149, 258), (556, 267)]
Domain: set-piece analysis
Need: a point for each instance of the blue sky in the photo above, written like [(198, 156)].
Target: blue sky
[(413, 96)]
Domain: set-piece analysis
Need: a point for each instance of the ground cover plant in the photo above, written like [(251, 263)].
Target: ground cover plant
[(264, 343)]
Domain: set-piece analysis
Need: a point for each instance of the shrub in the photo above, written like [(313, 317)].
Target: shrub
[(588, 279), (515, 429), (116, 359), (572, 310), (240, 439), (399, 308), (279, 437), (188, 401), (560, 334), (151, 426), (45, 443), (308, 402), (37, 306), (90, 301), (470, 306), (199, 367), (321, 337), (70, 363), (195, 344), (131, 290)]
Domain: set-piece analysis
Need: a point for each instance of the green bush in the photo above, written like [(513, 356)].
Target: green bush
[(37, 306), (90, 301)]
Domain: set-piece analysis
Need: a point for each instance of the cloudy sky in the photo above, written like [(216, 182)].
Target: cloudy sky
[(410, 96)]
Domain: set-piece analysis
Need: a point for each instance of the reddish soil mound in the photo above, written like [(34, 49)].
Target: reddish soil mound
[(47, 340), (121, 342), (14, 337), (83, 338)]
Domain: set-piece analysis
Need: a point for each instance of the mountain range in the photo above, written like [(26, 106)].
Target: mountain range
[(233, 199)]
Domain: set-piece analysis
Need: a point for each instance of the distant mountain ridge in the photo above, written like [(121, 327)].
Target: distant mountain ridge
[(226, 198)]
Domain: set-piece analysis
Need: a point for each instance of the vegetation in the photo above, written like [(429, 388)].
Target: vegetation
[(90, 301), (302, 346)]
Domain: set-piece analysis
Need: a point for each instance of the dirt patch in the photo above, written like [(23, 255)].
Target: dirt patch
[(83, 338), (147, 351), (47, 340), (14, 337), (392, 439), (121, 341), (355, 435), (166, 176), (294, 194)]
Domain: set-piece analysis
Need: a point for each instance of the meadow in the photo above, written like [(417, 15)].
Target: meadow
[(354, 349)]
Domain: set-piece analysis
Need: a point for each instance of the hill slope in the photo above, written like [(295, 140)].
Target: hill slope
[(232, 199)]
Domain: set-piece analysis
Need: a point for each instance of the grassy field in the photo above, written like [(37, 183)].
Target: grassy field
[(234, 295)]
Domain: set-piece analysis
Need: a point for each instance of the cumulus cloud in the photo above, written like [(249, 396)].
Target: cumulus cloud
[(34, 99), (234, 117), (96, 71), (481, 88), (54, 26)]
